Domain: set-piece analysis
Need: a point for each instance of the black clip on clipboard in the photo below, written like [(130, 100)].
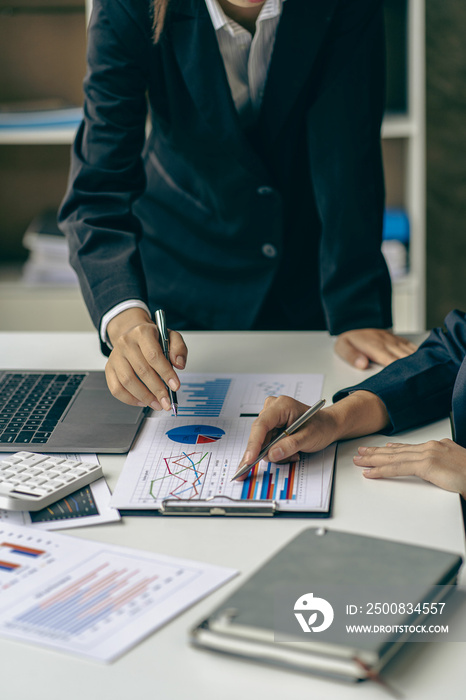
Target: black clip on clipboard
[(224, 506)]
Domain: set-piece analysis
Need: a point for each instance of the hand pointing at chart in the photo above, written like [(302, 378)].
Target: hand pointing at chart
[(359, 414), (287, 431)]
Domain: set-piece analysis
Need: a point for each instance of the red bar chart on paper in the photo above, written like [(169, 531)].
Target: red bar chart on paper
[(21, 557), (92, 599), (99, 598)]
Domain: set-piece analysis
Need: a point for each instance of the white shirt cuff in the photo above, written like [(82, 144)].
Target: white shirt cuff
[(118, 309)]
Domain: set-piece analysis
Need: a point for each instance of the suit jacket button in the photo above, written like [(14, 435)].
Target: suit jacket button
[(265, 190), (269, 250)]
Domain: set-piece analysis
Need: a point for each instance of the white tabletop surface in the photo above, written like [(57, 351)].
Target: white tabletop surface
[(164, 666)]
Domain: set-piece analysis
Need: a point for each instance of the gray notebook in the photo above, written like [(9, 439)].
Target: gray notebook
[(295, 610)]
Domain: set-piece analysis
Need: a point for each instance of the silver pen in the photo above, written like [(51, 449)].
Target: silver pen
[(161, 324), (286, 431)]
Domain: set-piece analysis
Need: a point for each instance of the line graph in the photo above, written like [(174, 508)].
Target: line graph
[(182, 477)]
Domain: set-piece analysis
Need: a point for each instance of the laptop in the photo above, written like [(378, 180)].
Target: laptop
[(46, 411)]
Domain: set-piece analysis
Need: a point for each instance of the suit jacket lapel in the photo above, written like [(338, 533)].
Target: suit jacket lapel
[(300, 34), (199, 59), (302, 29)]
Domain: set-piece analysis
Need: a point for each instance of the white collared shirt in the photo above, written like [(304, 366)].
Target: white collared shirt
[(247, 60), (246, 57)]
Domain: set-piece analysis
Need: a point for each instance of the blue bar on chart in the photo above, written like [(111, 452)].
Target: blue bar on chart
[(265, 483), (205, 398), (86, 601)]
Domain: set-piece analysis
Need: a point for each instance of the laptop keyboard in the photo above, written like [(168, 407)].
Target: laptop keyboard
[(31, 404)]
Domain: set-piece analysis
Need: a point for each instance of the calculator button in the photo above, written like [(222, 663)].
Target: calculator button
[(89, 466), (10, 460), (70, 463), (55, 460), (48, 465), (79, 472), (55, 484), (33, 459)]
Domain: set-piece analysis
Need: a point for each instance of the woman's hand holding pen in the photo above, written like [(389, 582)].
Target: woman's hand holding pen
[(358, 414), (279, 413), (137, 369)]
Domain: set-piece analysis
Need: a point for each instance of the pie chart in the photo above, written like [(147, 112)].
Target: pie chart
[(195, 434)]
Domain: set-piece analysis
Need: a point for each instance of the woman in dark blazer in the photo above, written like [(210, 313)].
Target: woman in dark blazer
[(265, 216), (415, 390)]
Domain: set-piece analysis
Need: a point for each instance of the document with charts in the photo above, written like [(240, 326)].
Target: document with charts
[(90, 598), (193, 458)]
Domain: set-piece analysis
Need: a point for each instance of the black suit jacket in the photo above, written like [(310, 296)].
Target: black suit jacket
[(427, 385), (204, 219)]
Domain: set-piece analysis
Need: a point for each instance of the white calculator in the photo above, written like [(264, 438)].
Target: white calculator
[(31, 481)]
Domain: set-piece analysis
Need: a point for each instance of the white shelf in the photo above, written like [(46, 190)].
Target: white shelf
[(398, 126), (409, 129), (42, 308), (38, 136)]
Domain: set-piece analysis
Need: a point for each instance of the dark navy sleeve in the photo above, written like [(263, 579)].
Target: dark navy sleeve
[(107, 173), (418, 389)]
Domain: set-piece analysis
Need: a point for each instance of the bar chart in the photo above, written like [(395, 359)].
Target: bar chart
[(107, 589), (204, 397), (21, 557), (80, 504), (276, 482), (94, 600)]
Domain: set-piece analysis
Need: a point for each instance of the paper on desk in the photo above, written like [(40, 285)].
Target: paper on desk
[(89, 505), (88, 598), (190, 459)]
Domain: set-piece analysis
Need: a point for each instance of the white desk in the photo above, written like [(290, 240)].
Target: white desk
[(164, 666)]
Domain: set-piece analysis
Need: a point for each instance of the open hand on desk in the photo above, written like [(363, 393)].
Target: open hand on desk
[(443, 463), (358, 414), (137, 368), (362, 346)]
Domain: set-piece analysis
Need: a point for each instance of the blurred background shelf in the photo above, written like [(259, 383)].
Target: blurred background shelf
[(28, 136), (43, 55)]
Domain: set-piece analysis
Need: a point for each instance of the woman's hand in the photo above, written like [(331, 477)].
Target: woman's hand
[(443, 463), (278, 413), (358, 414), (365, 345), (137, 370)]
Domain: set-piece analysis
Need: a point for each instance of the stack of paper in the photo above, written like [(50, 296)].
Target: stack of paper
[(48, 253)]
